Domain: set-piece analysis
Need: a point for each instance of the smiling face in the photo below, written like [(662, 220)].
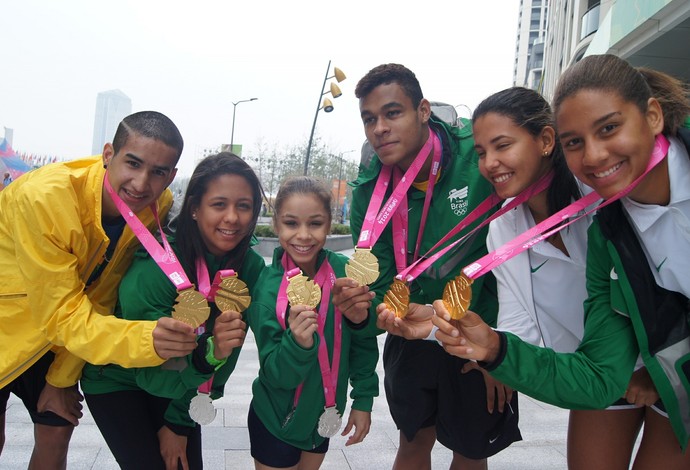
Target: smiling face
[(302, 227), (393, 126), (138, 173), (511, 158), (225, 214), (607, 141)]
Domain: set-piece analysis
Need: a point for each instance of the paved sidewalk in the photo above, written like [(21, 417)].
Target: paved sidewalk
[(226, 441)]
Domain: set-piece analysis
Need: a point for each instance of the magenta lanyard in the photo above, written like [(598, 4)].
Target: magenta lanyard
[(208, 290), (424, 262), (374, 223), (325, 278), (545, 229), (163, 256)]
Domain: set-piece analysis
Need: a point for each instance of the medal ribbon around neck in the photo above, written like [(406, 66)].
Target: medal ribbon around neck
[(191, 306), (325, 278), (399, 290), (458, 293), (210, 290), (363, 266)]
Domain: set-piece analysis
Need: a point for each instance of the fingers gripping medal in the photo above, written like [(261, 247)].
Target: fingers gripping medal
[(397, 299), (191, 308), (329, 422), (301, 290), (457, 296), (201, 409), (363, 267), (232, 293)]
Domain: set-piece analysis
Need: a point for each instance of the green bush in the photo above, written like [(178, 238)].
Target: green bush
[(267, 230)]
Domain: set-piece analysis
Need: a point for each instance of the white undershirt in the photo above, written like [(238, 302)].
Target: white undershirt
[(665, 230)]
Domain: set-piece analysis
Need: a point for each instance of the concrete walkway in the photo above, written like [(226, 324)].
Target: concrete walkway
[(226, 441)]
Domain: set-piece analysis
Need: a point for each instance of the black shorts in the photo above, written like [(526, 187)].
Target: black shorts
[(271, 451), (425, 387), (129, 422), (28, 387)]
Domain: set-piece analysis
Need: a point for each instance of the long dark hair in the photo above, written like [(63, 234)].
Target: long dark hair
[(530, 111), (187, 236)]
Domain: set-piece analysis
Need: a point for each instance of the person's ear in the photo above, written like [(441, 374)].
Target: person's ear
[(548, 140), (108, 154), (424, 110), (655, 116)]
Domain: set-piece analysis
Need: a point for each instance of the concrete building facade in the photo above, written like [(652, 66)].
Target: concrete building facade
[(111, 107)]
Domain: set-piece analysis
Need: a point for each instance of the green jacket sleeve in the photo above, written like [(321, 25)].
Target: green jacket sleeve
[(597, 373), (364, 355)]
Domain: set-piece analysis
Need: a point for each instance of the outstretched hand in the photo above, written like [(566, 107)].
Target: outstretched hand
[(468, 338), (173, 338), (351, 299), (416, 324)]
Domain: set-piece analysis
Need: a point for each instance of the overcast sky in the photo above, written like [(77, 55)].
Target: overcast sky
[(191, 59)]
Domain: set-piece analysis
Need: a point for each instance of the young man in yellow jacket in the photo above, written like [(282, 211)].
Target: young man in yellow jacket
[(64, 246)]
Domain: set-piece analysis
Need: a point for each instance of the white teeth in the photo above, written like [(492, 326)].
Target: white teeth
[(301, 249), (227, 232), (608, 172), (133, 195), (502, 178)]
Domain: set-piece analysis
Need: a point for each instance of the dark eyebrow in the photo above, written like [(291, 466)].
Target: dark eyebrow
[(596, 123), (385, 107), (141, 161)]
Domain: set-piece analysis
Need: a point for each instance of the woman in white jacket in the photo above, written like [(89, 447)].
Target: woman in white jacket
[(541, 290)]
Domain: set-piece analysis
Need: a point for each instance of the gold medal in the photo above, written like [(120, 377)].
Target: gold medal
[(232, 294), (363, 267), (191, 307), (397, 299), (457, 296), (303, 291)]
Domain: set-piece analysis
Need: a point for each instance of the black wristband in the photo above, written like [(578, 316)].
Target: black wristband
[(199, 356)]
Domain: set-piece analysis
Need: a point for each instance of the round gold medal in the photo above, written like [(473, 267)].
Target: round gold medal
[(191, 307), (303, 291), (232, 294), (397, 299), (363, 267), (457, 296)]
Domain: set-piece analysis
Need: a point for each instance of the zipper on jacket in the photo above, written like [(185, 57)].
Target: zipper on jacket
[(88, 271), (289, 417), (12, 296)]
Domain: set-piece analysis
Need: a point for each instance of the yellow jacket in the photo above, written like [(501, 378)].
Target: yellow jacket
[(51, 240)]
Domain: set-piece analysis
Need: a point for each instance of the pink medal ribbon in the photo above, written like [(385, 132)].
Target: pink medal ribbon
[(423, 263), (325, 278), (208, 290), (545, 229), (374, 223), (163, 256)]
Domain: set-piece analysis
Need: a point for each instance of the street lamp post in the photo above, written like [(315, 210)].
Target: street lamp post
[(327, 105), (234, 108)]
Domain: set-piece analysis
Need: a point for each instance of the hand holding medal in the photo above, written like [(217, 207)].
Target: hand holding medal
[(191, 308), (397, 299)]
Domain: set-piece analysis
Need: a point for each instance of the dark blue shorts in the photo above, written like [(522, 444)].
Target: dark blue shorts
[(271, 451), (28, 387)]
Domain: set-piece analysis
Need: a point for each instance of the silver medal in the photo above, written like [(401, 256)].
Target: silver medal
[(201, 409), (329, 422)]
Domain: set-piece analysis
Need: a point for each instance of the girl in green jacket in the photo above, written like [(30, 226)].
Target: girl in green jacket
[(615, 122), (144, 414), (307, 349)]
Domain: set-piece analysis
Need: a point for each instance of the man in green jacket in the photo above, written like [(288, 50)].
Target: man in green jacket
[(64, 247), (428, 396)]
